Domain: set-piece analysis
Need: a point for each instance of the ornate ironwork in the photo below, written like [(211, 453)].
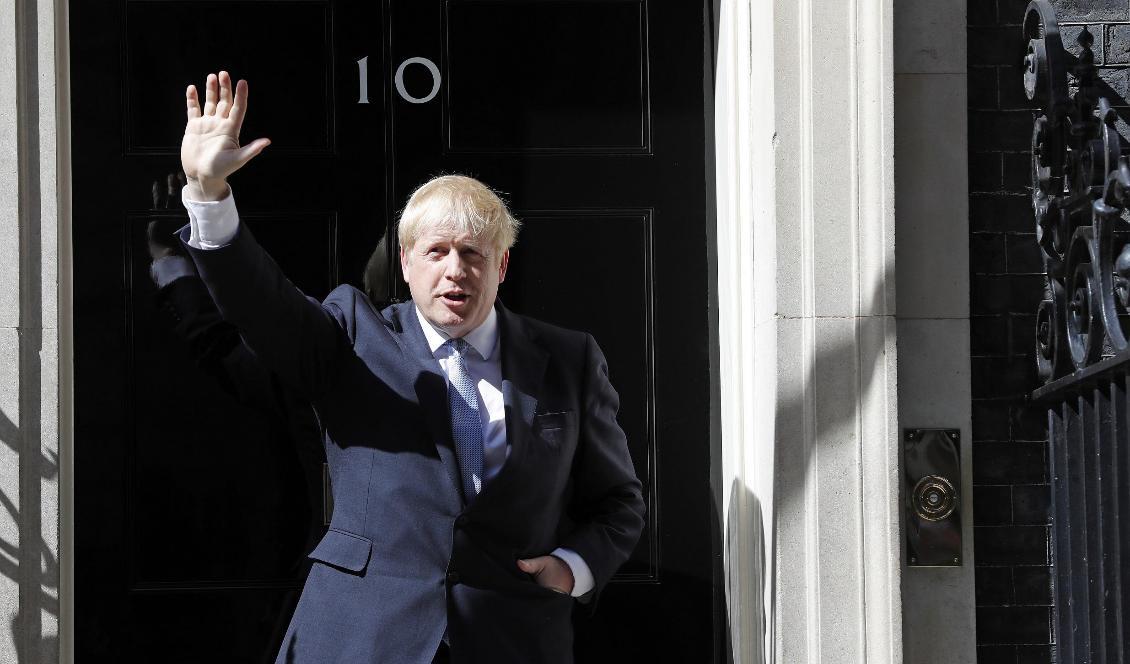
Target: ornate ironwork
[(1080, 186)]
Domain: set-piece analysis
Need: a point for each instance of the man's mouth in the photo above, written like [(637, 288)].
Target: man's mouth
[(454, 297)]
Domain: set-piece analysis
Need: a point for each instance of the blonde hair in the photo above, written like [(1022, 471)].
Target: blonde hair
[(458, 203)]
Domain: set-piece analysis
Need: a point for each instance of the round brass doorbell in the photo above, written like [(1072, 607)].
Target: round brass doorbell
[(934, 498)]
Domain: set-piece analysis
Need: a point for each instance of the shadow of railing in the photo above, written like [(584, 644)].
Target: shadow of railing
[(30, 563)]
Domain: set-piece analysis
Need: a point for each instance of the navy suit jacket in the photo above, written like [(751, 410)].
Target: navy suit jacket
[(404, 556)]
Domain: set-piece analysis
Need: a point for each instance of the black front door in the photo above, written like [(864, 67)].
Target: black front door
[(587, 115)]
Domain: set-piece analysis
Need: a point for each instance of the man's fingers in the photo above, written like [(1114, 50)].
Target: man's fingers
[(210, 95), (543, 573), (239, 105), (224, 105), (192, 102), (235, 160)]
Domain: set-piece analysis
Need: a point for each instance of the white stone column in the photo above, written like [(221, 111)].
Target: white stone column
[(34, 349), (806, 325), (932, 199)]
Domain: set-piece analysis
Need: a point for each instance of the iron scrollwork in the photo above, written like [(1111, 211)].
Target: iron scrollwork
[(1080, 187)]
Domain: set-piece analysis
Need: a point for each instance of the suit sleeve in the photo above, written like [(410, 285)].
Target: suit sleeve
[(214, 344), (607, 500), (299, 339)]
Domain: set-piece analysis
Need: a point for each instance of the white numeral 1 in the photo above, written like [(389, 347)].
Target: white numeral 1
[(363, 72)]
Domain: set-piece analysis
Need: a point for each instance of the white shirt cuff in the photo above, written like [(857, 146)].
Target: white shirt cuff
[(212, 224), (582, 575), (168, 269)]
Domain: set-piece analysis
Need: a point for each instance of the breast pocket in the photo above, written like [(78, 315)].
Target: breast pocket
[(343, 550), (555, 428)]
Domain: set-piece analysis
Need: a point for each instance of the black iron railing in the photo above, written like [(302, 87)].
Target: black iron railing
[(1080, 188)]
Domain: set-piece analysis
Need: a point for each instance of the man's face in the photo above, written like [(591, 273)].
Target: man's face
[(453, 278)]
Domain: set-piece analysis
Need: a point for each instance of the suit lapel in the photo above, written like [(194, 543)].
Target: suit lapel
[(431, 388), (523, 370)]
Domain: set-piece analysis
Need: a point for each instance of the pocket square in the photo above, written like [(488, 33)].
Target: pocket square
[(554, 420)]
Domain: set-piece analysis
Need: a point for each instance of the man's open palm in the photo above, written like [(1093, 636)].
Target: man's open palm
[(210, 151)]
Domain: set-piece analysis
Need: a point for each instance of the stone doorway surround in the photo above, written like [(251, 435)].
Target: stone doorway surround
[(810, 399), (35, 343), (818, 104)]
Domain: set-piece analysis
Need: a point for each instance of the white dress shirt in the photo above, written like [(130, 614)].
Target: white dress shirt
[(213, 224)]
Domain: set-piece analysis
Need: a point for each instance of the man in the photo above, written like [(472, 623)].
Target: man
[(480, 478)]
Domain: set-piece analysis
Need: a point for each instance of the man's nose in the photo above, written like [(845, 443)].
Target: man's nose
[(454, 269)]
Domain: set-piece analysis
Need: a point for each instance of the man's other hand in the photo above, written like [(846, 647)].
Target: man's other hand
[(210, 150), (549, 572)]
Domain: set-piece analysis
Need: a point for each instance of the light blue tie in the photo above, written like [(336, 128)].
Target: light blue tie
[(466, 427)]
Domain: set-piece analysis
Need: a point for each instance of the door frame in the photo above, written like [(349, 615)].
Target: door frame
[(39, 47)]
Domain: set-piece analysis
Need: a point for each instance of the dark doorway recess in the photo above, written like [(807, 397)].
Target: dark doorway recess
[(588, 116)]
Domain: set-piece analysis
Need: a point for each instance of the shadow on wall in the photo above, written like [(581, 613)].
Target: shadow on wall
[(749, 538), (31, 565), (832, 417)]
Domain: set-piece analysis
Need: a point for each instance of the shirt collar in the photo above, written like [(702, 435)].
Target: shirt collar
[(483, 338)]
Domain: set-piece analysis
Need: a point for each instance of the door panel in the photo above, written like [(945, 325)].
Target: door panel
[(546, 77), (193, 509)]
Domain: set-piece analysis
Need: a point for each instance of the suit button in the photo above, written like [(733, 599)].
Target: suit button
[(453, 577), (462, 520)]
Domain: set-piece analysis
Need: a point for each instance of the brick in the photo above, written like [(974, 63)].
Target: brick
[(996, 45), (995, 654), (1121, 127), (1011, 12), (1001, 377), (1017, 172), (1012, 95), (1022, 336), (1009, 462), (989, 295), (988, 336), (1070, 35), (987, 253), (1114, 83), (1084, 11), (1000, 130), (1035, 654), (1001, 294), (992, 505), (985, 172), (981, 12), (1032, 585), (982, 88), (1001, 213), (993, 586), (1028, 421), (1118, 45), (1026, 292), (990, 421), (1031, 504), (1024, 255), (1014, 624), (1010, 545)]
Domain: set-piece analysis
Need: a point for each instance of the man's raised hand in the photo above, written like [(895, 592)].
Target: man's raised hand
[(210, 151)]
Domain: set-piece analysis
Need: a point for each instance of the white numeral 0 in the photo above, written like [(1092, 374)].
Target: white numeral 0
[(363, 83), (399, 79)]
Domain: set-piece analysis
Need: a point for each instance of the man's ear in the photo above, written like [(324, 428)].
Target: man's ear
[(502, 266), (403, 263)]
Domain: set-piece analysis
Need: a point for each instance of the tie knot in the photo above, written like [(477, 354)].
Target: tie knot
[(458, 345)]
